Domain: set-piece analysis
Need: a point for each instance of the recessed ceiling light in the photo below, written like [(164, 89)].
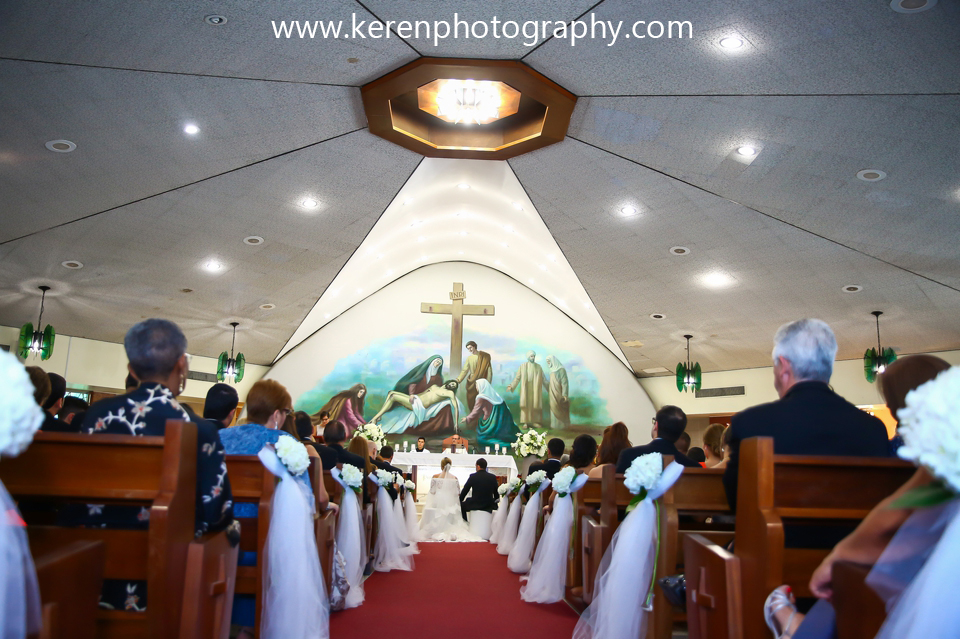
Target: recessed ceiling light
[(871, 175), (334, 292), (531, 280), (353, 60), (852, 288), (309, 203), (731, 43), (213, 265), (504, 245), (74, 264), (267, 307), (657, 316), (409, 200), (543, 267), (912, 6), (423, 258), (498, 262), (379, 256), (459, 252), (591, 329), (463, 185), (191, 129), (628, 210), (552, 258), (326, 316), (359, 291), (679, 250), (61, 146), (253, 240), (747, 151), (586, 305), (463, 233), (716, 280), (186, 290), (420, 238), (517, 206), (508, 228), (658, 369), (389, 271), (215, 20), (633, 343)]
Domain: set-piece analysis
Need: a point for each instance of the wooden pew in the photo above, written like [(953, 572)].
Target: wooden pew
[(714, 609), (773, 490), (599, 504), (70, 580), (158, 473), (698, 493), (251, 482), (860, 611), (210, 583), (325, 524)]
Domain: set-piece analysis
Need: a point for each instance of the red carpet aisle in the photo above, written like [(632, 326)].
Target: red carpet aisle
[(457, 591)]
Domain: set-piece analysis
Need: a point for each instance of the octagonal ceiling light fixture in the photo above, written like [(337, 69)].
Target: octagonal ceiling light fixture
[(472, 109)]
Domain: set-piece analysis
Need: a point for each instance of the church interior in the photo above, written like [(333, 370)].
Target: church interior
[(447, 226)]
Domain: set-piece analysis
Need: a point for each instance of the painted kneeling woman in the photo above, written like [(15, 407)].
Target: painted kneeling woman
[(496, 425)]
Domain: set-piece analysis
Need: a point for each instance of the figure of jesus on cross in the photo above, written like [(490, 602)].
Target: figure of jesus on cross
[(478, 364)]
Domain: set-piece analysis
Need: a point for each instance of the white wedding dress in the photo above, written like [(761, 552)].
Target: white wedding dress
[(442, 519)]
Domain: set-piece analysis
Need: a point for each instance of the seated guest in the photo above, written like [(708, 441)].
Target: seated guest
[(713, 444), (268, 404), (73, 410), (615, 440), (696, 454), (683, 442), (583, 453), (52, 406), (41, 384), (725, 441), (421, 445), (381, 459), (360, 447), (221, 404), (130, 383), (552, 464), (668, 425), (866, 543), (809, 418), (333, 452), (304, 427), (156, 350)]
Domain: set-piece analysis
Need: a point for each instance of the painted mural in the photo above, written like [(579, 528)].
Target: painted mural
[(505, 385)]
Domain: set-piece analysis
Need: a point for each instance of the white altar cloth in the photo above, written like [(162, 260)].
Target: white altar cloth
[(462, 464)]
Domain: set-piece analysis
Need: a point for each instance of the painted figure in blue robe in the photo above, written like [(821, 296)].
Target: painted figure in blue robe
[(496, 425), (422, 376), (439, 419)]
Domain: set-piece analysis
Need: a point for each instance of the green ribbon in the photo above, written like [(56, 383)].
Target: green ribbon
[(656, 558)]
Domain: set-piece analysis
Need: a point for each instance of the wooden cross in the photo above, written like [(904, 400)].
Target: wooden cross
[(457, 309)]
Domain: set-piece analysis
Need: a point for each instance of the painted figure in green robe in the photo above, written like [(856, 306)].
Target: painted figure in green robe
[(496, 425)]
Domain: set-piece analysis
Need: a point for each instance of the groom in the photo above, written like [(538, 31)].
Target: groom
[(484, 487)]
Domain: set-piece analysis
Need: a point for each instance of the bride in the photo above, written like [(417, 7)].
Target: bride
[(442, 519)]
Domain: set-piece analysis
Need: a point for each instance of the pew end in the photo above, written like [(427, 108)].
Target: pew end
[(860, 611), (70, 580), (210, 583), (714, 609)]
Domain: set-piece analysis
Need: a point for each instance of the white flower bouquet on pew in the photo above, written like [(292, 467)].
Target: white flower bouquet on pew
[(503, 489), (293, 454), (563, 480), (352, 477), (409, 485), (531, 443), (623, 591), (515, 485), (20, 417), (385, 478)]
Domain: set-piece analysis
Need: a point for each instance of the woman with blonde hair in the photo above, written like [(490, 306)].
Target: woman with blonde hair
[(713, 444)]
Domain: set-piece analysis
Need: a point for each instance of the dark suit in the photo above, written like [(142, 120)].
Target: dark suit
[(484, 497), (551, 466), (390, 468), (53, 425), (659, 445), (343, 456), (809, 420)]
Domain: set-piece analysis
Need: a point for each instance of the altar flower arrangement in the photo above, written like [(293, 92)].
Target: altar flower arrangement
[(930, 426), (531, 442), (372, 433), (563, 479), (535, 479), (293, 454), (20, 417), (352, 477), (384, 477), (409, 485)]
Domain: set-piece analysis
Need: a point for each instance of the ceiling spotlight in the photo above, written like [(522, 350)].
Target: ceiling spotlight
[(253, 240), (628, 210), (852, 288), (517, 206), (213, 266), (871, 175), (657, 316), (60, 146), (267, 307), (504, 245), (359, 291), (747, 151), (543, 267), (74, 264), (459, 252), (326, 316), (531, 280), (309, 203), (215, 20), (731, 43), (420, 238), (679, 250), (552, 258), (191, 129), (716, 280), (353, 60), (409, 200), (389, 272), (463, 186), (912, 6), (591, 328), (498, 262), (463, 233)]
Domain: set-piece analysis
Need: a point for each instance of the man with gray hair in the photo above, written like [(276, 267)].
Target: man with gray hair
[(809, 418)]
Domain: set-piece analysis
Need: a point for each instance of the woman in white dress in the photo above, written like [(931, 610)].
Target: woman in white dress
[(442, 519)]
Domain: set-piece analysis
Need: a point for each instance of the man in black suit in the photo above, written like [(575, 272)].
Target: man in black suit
[(552, 465), (484, 486), (333, 452), (52, 406), (220, 406), (382, 461), (668, 425), (809, 418)]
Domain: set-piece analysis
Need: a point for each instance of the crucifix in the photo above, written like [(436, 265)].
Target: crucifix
[(457, 309)]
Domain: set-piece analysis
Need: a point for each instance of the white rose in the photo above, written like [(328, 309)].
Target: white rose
[(351, 476), (563, 479), (644, 472), (293, 454)]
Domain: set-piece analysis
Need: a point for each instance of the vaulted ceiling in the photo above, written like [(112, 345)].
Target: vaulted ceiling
[(822, 90)]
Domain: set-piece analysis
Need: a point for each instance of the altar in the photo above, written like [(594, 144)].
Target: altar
[(425, 465)]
